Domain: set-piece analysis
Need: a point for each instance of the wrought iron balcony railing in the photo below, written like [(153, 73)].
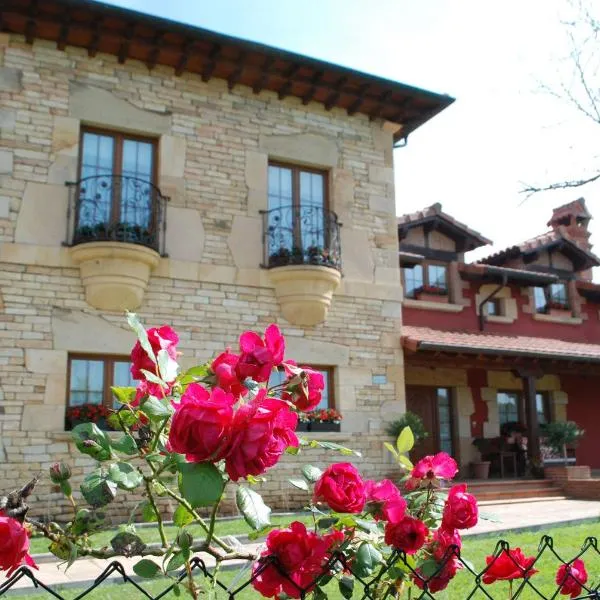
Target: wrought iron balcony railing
[(301, 235), (116, 208)]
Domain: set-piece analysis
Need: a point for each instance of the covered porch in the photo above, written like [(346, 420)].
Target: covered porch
[(483, 397)]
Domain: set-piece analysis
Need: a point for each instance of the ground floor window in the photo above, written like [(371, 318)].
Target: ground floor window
[(509, 407), (90, 379)]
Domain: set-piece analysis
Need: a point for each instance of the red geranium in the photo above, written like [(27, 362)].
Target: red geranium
[(432, 468), (224, 368), (508, 565), (202, 424), (341, 488), (571, 578), (460, 510), (408, 534), (261, 432), (14, 545), (301, 555), (259, 357)]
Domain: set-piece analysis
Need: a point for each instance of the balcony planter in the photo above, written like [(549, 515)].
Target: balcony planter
[(428, 297), (114, 274), (323, 426), (565, 313), (303, 426), (304, 292)]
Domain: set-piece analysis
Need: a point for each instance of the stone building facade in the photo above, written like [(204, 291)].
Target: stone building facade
[(214, 142)]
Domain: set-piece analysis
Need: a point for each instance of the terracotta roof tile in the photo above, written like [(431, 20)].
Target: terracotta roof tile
[(423, 338)]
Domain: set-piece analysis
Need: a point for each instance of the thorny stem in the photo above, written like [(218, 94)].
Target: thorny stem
[(157, 437), (193, 590), (510, 589), (161, 527), (213, 516)]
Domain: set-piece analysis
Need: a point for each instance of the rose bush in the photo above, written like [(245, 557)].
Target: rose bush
[(14, 545)]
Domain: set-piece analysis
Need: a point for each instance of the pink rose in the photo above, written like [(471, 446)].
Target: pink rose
[(384, 500), (443, 540), (259, 357), (301, 553), (432, 468), (341, 488), (460, 510), (571, 578), (262, 430), (160, 338), (441, 579), (305, 386), (224, 368), (14, 545), (408, 534), (202, 424)]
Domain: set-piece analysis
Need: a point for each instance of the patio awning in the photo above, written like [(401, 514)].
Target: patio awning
[(417, 339)]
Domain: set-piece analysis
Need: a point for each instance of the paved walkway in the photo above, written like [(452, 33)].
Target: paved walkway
[(510, 516)]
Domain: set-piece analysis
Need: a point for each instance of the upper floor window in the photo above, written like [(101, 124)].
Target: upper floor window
[(430, 278), (554, 296), (493, 308), (299, 228), (116, 191), (90, 380)]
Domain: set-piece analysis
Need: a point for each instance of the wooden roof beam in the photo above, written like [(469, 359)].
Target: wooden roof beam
[(211, 63), (235, 76), (382, 101), (335, 96), (313, 89), (61, 43), (154, 53), (262, 81), (95, 41), (124, 48), (184, 58), (30, 27), (354, 107), (287, 86)]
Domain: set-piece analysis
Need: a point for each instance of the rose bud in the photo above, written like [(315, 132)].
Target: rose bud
[(59, 472)]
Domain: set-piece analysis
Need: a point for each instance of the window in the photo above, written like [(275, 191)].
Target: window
[(91, 377), (493, 307), (553, 296), (297, 217), (508, 407), (116, 176), (429, 278), (542, 402), (327, 398), (444, 406)]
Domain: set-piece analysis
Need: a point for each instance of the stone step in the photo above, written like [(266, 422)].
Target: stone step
[(519, 494), (521, 500)]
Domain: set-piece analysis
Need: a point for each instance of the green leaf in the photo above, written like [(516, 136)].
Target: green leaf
[(142, 334), (299, 483), (329, 446), (177, 561), (182, 516), (156, 409), (390, 448), (367, 559), (125, 395), (429, 568), (126, 417), (319, 594), (255, 512), (125, 445), (127, 543), (146, 568), (405, 461), (153, 378), (326, 522), (97, 489), (148, 513), (167, 367), (177, 590), (125, 475), (405, 441), (200, 483), (85, 521), (195, 374), (346, 585), (92, 441), (311, 474)]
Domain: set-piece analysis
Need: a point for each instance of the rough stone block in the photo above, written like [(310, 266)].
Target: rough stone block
[(46, 361), (356, 254), (8, 119), (245, 242), (42, 418), (381, 174), (302, 148), (185, 234), (6, 162), (172, 155), (4, 208), (11, 80), (65, 134)]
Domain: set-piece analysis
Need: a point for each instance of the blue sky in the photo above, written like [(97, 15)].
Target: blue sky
[(501, 131)]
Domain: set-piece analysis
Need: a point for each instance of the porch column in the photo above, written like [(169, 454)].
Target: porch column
[(533, 441)]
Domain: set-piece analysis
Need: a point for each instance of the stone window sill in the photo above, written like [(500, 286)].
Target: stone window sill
[(500, 319), (555, 319), (439, 306)]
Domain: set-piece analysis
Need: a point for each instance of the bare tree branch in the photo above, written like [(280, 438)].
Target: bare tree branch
[(530, 190)]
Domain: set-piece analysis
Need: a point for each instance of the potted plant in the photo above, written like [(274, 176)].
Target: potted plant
[(280, 258), (303, 422), (408, 419), (560, 434), (481, 467), (432, 293), (326, 419), (87, 413)]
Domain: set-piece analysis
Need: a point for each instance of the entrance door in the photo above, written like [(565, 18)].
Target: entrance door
[(434, 406)]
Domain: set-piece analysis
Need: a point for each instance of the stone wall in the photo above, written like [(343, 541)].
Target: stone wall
[(214, 145)]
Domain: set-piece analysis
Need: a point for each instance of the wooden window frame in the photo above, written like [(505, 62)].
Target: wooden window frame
[(119, 137), (520, 405), (453, 422), (109, 360), (499, 307), (545, 405), (548, 297), (425, 265)]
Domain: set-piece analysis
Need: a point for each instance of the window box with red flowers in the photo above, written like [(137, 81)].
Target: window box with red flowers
[(558, 309), (326, 419), (432, 293), (87, 413)]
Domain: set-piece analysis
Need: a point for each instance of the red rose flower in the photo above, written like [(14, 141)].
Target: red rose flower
[(441, 579), (14, 545), (341, 488), (384, 500), (301, 555), (160, 338), (259, 357), (224, 368), (305, 386), (509, 564), (262, 430), (432, 468), (443, 540), (408, 535), (202, 424), (571, 578), (460, 510)]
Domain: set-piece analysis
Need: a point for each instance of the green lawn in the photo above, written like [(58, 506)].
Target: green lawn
[(568, 541), (39, 545)]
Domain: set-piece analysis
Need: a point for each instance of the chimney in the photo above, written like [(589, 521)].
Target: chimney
[(573, 218)]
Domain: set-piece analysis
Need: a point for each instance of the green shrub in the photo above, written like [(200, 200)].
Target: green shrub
[(411, 420)]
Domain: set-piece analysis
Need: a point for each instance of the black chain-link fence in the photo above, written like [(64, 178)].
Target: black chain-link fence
[(546, 575)]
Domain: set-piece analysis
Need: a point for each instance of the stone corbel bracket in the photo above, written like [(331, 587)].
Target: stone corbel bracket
[(115, 275), (304, 292)]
